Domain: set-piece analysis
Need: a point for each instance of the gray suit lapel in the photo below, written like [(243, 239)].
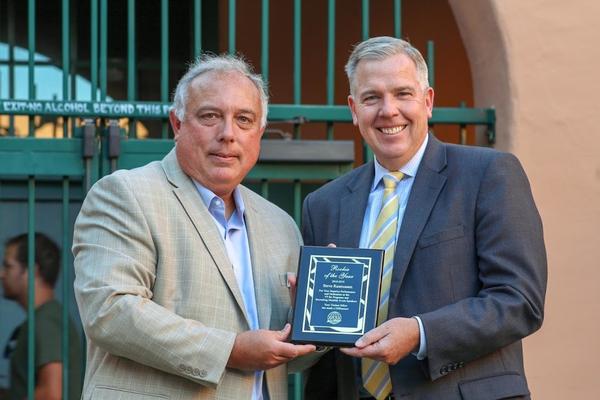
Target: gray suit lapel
[(352, 206), (260, 259), (187, 194), (424, 193)]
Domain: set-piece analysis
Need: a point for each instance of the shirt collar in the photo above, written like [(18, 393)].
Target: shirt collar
[(211, 201), (408, 169)]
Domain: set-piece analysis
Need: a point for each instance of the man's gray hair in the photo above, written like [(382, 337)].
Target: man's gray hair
[(382, 47), (218, 63)]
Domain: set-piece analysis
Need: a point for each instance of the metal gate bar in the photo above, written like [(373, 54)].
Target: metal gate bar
[(31, 47), (31, 287), (131, 60), (164, 59), (94, 49), (67, 283)]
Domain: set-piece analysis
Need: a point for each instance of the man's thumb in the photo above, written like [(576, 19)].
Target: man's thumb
[(285, 332)]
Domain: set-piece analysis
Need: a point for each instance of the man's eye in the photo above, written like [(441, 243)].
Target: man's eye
[(209, 116), (245, 120), (370, 99)]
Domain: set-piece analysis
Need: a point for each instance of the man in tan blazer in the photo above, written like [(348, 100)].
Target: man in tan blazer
[(179, 267)]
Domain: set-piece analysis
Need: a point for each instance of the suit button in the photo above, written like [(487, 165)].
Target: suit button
[(203, 373), (461, 364), (181, 367), (196, 372), (444, 370)]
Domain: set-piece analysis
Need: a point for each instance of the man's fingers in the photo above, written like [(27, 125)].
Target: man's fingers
[(290, 351), (265, 349), (303, 349), (374, 335), (285, 332), (291, 279), (373, 352), (291, 284), (351, 351)]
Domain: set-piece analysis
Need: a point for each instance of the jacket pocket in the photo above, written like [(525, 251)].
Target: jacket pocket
[(111, 393), (442, 236), (496, 387)]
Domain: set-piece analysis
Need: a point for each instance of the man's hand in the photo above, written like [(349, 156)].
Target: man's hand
[(263, 349), (389, 342)]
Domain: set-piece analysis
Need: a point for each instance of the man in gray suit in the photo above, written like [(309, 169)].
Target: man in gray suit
[(467, 272), (179, 268)]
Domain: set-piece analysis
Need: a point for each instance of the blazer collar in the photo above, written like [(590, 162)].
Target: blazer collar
[(187, 194), (352, 205), (428, 184)]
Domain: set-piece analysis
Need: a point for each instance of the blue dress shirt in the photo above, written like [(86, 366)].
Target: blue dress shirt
[(374, 206), (235, 236)]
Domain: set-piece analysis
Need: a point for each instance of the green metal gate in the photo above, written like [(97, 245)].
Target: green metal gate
[(94, 132)]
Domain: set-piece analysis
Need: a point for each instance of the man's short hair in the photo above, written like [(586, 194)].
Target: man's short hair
[(47, 255), (382, 47), (218, 63)]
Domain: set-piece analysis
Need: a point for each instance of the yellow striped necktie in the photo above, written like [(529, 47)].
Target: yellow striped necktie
[(376, 374)]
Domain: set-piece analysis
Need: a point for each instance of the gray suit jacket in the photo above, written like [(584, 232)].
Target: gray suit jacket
[(157, 294), (470, 261)]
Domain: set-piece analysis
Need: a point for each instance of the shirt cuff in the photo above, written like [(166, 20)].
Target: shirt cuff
[(422, 353)]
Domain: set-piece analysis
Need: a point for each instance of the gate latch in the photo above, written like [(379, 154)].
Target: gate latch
[(114, 139), (89, 138)]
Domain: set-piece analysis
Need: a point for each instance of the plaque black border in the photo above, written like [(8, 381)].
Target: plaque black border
[(372, 301)]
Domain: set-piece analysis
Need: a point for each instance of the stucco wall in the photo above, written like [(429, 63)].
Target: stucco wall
[(538, 62)]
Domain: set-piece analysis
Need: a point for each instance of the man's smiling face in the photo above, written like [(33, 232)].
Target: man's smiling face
[(390, 108)]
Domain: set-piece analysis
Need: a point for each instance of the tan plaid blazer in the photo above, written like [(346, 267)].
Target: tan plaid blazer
[(157, 294)]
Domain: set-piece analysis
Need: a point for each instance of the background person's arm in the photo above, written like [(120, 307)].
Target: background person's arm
[(49, 382)]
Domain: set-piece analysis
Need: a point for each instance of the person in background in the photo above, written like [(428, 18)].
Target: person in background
[(465, 263), (48, 322)]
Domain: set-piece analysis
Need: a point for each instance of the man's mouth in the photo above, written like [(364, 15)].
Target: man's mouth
[(392, 130), (224, 156)]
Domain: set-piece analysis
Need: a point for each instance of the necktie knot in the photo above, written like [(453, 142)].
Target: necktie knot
[(391, 180)]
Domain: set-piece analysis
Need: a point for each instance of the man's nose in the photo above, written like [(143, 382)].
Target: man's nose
[(389, 107), (227, 132)]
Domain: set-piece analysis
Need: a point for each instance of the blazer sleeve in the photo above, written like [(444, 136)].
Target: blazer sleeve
[(511, 266), (307, 230), (115, 269)]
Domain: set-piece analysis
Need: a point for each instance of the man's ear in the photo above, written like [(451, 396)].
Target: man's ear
[(263, 129), (429, 94), (175, 123), (352, 105)]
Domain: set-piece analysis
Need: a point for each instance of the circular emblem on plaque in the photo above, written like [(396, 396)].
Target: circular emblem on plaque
[(334, 318)]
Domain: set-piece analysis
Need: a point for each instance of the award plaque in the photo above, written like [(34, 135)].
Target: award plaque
[(337, 295)]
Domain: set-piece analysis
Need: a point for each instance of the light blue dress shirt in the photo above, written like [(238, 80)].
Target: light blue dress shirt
[(235, 236), (374, 206)]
